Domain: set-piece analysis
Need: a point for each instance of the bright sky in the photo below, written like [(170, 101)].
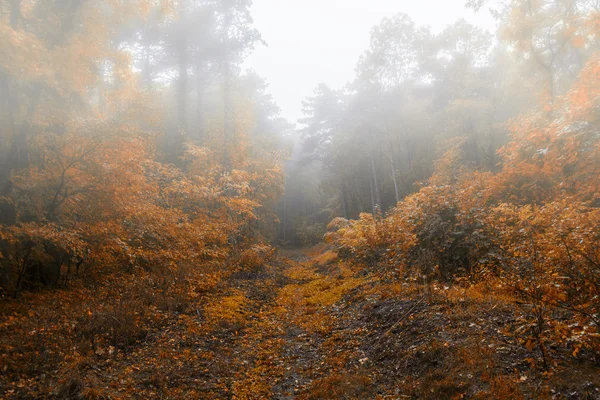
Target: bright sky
[(313, 41)]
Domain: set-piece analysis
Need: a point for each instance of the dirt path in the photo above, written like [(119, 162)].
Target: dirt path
[(272, 355), (316, 330), (263, 335), (279, 339)]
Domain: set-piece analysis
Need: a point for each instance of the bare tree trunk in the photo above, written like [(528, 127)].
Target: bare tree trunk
[(284, 219), (8, 102), (147, 73), (360, 205), (182, 90), (284, 211), (344, 203), (226, 95), (5, 106), (492, 154), (392, 158), (101, 89), (21, 142), (226, 122), (199, 104), (15, 13), (375, 184), (182, 58), (409, 155), (394, 179), (373, 205)]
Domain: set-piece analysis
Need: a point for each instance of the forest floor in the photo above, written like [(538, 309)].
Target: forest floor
[(305, 326)]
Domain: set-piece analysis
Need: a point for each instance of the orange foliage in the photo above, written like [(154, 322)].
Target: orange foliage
[(530, 230), (134, 239), (93, 192)]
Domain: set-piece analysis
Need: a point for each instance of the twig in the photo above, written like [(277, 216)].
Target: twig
[(409, 312)]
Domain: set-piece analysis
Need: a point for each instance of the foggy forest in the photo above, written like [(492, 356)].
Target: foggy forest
[(182, 216)]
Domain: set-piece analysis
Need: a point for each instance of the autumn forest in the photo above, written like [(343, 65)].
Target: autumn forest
[(430, 230)]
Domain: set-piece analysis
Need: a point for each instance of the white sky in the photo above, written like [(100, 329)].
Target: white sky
[(313, 41)]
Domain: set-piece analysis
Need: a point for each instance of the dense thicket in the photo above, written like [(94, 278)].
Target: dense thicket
[(522, 217), (130, 138)]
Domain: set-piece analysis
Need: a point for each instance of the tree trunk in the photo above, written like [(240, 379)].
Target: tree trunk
[(15, 13), (373, 205), (492, 154), (360, 205), (182, 58), (344, 203), (182, 90), (226, 95), (5, 106), (199, 108), (377, 199), (393, 163), (147, 69), (284, 219)]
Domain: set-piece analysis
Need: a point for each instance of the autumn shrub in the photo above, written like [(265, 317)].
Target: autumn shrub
[(169, 290), (430, 233), (449, 235), (167, 216), (33, 253), (530, 231), (130, 308), (113, 327), (549, 259), (72, 389), (544, 256), (310, 233), (134, 241), (367, 239), (254, 257)]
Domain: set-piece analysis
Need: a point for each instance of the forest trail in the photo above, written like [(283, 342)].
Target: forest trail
[(269, 353), (302, 325), (305, 324), (276, 357), (263, 334), (284, 343)]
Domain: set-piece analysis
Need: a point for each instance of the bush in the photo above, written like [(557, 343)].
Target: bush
[(311, 234), (253, 258)]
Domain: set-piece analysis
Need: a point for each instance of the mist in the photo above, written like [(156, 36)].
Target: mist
[(321, 42), (299, 199)]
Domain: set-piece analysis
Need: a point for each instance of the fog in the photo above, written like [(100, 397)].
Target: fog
[(317, 199), (347, 106), (320, 41)]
